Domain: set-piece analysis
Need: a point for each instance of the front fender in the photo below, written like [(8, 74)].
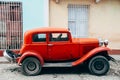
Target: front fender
[(30, 54), (89, 54)]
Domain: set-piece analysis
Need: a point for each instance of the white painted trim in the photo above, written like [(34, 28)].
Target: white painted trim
[(46, 12)]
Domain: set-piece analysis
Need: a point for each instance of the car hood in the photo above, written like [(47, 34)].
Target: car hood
[(85, 40)]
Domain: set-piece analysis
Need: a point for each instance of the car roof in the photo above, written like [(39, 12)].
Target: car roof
[(48, 29), (28, 33)]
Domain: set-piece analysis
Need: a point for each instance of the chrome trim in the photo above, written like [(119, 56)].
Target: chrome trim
[(10, 59)]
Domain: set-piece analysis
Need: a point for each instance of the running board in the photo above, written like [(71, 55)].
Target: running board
[(67, 64)]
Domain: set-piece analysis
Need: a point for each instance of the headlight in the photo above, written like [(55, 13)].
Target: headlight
[(106, 42), (101, 42)]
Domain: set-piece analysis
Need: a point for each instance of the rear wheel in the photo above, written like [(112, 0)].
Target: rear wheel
[(98, 65), (31, 66)]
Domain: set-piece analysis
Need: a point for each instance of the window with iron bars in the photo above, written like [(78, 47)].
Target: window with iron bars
[(11, 25)]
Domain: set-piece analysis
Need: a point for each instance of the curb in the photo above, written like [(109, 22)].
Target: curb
[(4, 62)]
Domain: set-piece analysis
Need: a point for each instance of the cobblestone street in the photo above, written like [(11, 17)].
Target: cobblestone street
[(10, 71)]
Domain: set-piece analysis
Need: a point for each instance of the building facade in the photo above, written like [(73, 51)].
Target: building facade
[(84, 18), (87, 18)]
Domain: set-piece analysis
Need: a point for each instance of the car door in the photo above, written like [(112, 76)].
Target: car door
[(39, 44), (58, 46)]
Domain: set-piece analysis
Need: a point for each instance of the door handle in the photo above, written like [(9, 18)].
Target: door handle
[(50, 44)]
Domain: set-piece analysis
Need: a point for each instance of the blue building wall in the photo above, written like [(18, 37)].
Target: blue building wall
[(33, 13)]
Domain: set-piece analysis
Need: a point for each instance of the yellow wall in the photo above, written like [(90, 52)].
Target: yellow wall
[(104, 18)]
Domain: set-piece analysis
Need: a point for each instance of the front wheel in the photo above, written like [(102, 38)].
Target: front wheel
[(31, 66), (98, 65)]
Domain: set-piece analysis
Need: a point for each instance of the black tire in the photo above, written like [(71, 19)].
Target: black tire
[(31, 66), (98, 65)]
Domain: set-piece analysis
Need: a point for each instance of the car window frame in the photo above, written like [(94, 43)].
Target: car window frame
[(39, 41), (59, 41)]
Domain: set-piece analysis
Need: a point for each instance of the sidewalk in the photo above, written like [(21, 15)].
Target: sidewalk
[(3, 60)]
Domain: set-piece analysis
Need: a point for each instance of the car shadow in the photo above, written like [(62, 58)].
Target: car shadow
[(82, 69), (65, 70)]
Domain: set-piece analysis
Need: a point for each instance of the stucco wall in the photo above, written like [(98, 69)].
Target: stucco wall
[(104, 18), (105, 21)]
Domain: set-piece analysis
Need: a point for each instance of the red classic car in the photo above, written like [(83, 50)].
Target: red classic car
[(55, 47)]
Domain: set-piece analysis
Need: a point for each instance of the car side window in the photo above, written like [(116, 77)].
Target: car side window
[(39, 37), (58, 37)]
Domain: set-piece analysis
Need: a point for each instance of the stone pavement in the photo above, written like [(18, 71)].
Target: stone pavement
[(117, 57)]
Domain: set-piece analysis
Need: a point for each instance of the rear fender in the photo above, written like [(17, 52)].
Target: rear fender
[(89, 55), (31, 54)]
